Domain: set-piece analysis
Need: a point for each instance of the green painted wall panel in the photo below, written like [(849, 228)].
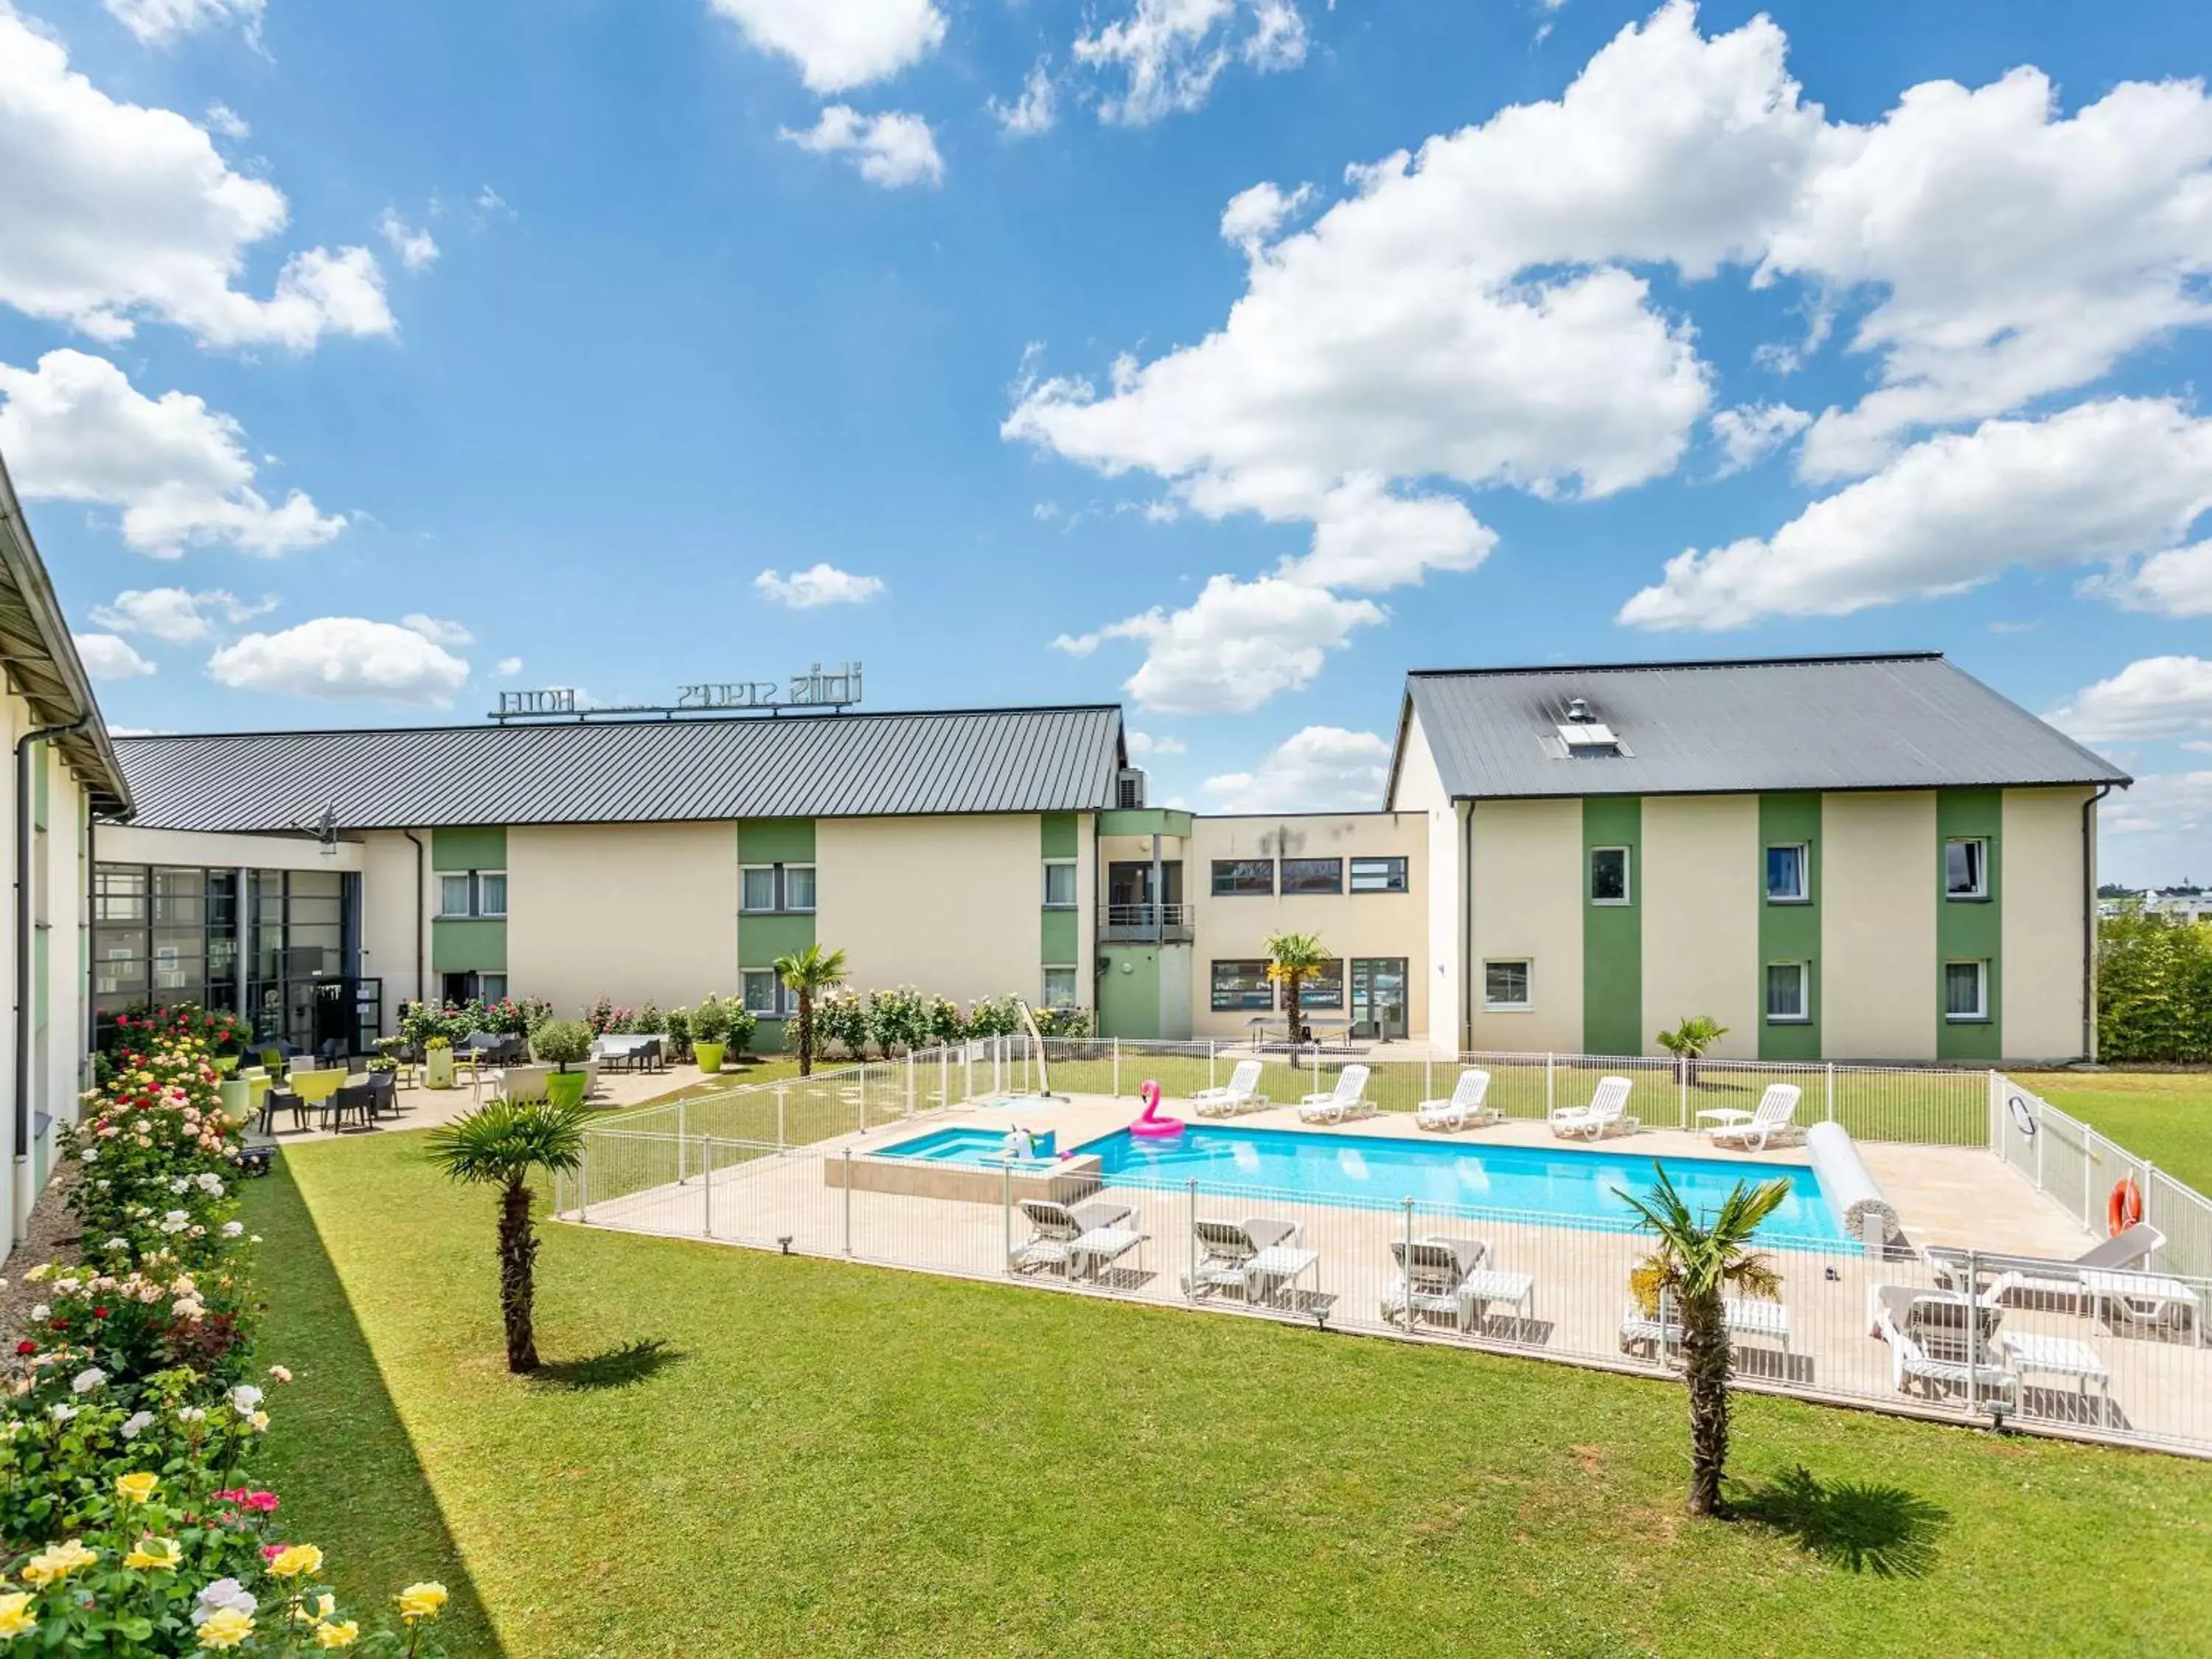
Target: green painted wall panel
[(462, 945), (775, 840), (1059, 940), (1613, 934), (762, 938), (478, 848), (1790, 932), (1969, 930), (1129, 991), (1059, 834)]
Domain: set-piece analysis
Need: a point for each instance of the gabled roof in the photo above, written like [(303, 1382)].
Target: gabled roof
[(42, 661), (1901, 721), (846, 765)]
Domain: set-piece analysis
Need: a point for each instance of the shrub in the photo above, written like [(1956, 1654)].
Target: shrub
[(600, 1016), (742, 1026), (221, 1033), (561, 1042), (679, 1033), (946, 1023), (2153, 989), (516, 1016), (994, 1017), (899, 1019), (710, 1020), (1063, 1021), (649, 1021), (842, 1018)]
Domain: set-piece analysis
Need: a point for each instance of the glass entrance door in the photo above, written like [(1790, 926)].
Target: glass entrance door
[(1378, 998)]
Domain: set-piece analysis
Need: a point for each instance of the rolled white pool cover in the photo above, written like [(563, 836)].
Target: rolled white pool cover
[(1846, 1183)]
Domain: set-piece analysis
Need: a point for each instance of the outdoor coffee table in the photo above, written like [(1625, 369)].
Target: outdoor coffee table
[(1479, 1290), (2061, 1356), (1273, 1274), (2145, 1299), (1101, 1248)]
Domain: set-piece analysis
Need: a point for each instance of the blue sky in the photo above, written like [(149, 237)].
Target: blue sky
[(614, 346)]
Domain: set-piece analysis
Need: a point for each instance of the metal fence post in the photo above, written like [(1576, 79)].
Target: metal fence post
[(1406, 1270), (1428, 1077), (1831, 1108), (1007, 1212), (679, 1143), (1190, 1242), (944, 1078), (1117, 1068), (2036, 1118), (1316, 1069), (1550, 1103), (2149, 1186), (1974, 1329), (584, 1182), (2088, 1178), (909, 1083), (848, 1200), (1209, 1063), (1682, 1095), (864, 1097), (780, 1092), (707, 1193)]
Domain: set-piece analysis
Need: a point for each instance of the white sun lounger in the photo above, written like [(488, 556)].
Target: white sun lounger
[(1065, 1239), (1464, 1109), (1242, 1256), (1772, 1118), (1608, 1110), (1744, 1316), (1934, 1342), (2124, 1250), (1240, 1094), (1340, 1102), (1431, 1273)]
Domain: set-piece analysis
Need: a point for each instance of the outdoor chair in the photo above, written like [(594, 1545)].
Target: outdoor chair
[(1340, 1102), (1063, 1238), (1240, 1094), (1608, 1110), (281, 1100), (384, 1093), (1772, 1118), (1463, 1108), (1231, 1255), (1430, 1274), (351, 1100)]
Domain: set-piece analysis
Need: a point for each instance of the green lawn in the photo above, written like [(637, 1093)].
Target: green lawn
[(2165, 1116), (738, 1453)]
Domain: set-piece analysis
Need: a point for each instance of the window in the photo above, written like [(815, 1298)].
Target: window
[(1313, 875), (1324, 989), (1060, 987), (773, 887), (1378, 875), (1233, 877), (1787, 1001), (1608, 875), (764, 994), (1965, 991), (1785, 874), (477, 893), (1505, 984), (1241, 985), (1966, 868), (492, 987), (1059, 884)]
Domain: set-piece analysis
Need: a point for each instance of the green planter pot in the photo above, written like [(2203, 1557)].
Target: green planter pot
[(709, 1055), (566, 1088), (237, 1096), (438, 1069), (227, 1064)]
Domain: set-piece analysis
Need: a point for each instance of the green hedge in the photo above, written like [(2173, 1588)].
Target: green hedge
[(2153, 989)]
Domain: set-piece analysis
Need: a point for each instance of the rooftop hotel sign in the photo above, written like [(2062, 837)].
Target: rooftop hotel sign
[(836, 688)]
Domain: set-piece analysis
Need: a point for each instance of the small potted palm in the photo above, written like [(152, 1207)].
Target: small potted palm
[(710, 1031), (562, 1044)]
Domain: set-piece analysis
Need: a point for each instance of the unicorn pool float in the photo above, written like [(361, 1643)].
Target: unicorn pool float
[(1031, 1145), (1151, 1124)]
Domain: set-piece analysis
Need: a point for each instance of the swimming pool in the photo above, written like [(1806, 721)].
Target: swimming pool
[(976, 1148), (1574, 1187)]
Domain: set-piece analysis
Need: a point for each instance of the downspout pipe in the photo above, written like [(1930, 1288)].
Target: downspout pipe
[(19, 1227), (2090, 924), (421, 990)]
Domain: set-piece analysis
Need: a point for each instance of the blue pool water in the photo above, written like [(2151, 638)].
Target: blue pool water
[(982, 1148), (1574, 1186)]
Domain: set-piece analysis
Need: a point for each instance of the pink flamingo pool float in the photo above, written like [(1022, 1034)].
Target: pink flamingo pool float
[(1152, 1123)]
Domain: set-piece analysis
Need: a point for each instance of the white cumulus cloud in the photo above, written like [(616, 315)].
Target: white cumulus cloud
[(1254, 216), (1165, 55), (154, 21), (2102, 481), (1143, 745), (116, 212), (342, 657), (75, 429), (823, 584), (415, 248), (2156, 697), (1749, 431), (176, 614), (110, 657), (437, 631), (891, 150), (1034, 111), (2175, 583), (508, 667), (838, 43), (1322, 769)]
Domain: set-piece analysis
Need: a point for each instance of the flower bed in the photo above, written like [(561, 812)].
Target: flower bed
[(134, 1407)]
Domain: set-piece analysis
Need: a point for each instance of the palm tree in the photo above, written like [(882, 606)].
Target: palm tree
[(1697, 1263), (1688, 1042), (1293, 959), (808, 972), (499, 1144)]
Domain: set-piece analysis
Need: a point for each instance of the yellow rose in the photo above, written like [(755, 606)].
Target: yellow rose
[(154, 1554), (344, 1634), (57, 1561), (136, 1488), (15, 1615), (312, 1610), (297, 1561), (225, 1627), (422, 1601)]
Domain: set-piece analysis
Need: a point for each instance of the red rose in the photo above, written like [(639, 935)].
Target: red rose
[(27, 1347), (100, 1313)]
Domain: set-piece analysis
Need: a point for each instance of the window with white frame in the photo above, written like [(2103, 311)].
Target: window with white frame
[(1378, 875), (492, 987), (1505, 983), (764, 994), (1788, 867), (1059, 883), (773, 888), (1965, 991), (1608, 875), (1966, 868), (1060, 988), (1789, 992), (472, 893)]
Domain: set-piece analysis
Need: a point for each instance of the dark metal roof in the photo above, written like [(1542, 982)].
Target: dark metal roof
[(41, 658), (990, 760), (1905, 721)]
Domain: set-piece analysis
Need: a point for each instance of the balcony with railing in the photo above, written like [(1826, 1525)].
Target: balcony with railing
[(1140, 924)]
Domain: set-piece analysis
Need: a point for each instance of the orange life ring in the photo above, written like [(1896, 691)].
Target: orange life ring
[(2125, 1208)]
